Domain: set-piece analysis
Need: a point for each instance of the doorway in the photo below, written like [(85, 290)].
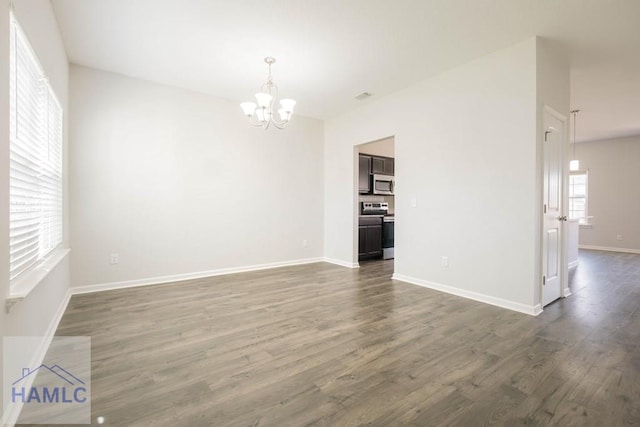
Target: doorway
[(374, 197)]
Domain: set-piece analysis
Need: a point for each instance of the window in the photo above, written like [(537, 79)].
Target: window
[(35, 153), (578, 196)]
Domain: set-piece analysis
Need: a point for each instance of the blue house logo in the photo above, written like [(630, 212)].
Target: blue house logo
[(69, 388)]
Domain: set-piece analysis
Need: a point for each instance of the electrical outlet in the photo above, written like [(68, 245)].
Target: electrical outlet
[(305, 243), (414, 202), (619, 237), (115, 258), (445, 261)]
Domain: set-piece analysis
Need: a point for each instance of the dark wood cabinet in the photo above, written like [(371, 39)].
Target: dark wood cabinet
[(362, 242), (382, 165), (369, 238), (364, 173), (377, 165), (369, 165), (389, 167)]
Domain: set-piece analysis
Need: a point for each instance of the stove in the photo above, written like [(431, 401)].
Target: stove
[(374, 208)]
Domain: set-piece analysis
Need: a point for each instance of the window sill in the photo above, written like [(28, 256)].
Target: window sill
[(27, 282)]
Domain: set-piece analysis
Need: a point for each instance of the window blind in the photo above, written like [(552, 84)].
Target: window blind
[(35, 159)]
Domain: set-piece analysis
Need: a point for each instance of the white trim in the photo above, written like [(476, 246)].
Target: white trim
[(11, 417), (537, 309), (77, 290), (555, 114), (566, 292), (342, 263), (28, 281), (609, 249), (573, 264), (487, 299)]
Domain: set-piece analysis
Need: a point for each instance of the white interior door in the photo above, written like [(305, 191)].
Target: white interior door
[(552, 210)]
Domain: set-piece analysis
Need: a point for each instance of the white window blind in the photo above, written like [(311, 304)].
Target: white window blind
[(35, 153)]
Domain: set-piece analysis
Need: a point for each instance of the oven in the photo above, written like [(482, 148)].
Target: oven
[(388, 231)]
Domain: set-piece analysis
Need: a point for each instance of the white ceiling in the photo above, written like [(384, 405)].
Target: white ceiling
[(329, 51)]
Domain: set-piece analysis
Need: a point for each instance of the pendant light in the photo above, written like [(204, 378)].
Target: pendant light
[(574, 164), (261, 113)]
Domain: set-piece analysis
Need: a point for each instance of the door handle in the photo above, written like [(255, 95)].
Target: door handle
[(562, 218)]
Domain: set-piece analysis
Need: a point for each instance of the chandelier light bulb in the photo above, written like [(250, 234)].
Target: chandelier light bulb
[(287, 104), (248, 108)]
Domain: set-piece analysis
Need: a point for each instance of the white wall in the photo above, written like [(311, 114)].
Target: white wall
[(614, 192), (466, 145), (178, 182), (35, 314)]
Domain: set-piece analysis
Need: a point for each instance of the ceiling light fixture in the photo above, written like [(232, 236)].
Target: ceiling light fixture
[(574, 164), (263, 110)]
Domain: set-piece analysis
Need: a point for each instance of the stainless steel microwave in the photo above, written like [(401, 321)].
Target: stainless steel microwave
[(383, 184)]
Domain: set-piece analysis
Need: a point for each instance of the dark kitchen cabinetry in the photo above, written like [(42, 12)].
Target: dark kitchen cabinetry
[(369, 165), (369, 237), (382, 165), (364, 171)]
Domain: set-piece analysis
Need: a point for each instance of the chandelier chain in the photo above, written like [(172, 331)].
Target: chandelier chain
[(575, 115)]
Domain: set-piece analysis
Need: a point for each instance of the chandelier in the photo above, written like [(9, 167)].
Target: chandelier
[(261, 113)]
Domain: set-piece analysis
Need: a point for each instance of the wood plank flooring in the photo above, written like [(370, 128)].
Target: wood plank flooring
[(322, 345)]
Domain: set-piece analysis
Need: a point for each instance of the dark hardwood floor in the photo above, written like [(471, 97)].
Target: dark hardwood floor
[(329, 346)]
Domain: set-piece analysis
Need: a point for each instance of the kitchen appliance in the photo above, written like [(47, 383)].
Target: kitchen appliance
[(388, 231), (383, 184), (374, 208)]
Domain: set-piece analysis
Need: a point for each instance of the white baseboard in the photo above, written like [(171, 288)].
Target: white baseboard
[(11, 416), (77, 290), (610, 249), (342, 263), (573, 264), (487, 299), (537, 309)]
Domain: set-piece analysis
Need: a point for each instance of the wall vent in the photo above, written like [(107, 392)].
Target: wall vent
[(363, 95)]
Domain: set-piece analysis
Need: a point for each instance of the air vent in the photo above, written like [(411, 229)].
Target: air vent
[(363, 95)]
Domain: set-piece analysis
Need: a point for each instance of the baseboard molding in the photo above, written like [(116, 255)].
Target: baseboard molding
[(499, 302), (342, 263), (573, 264), (11, 416), (85, 289), (537, 309), (610, 249)]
